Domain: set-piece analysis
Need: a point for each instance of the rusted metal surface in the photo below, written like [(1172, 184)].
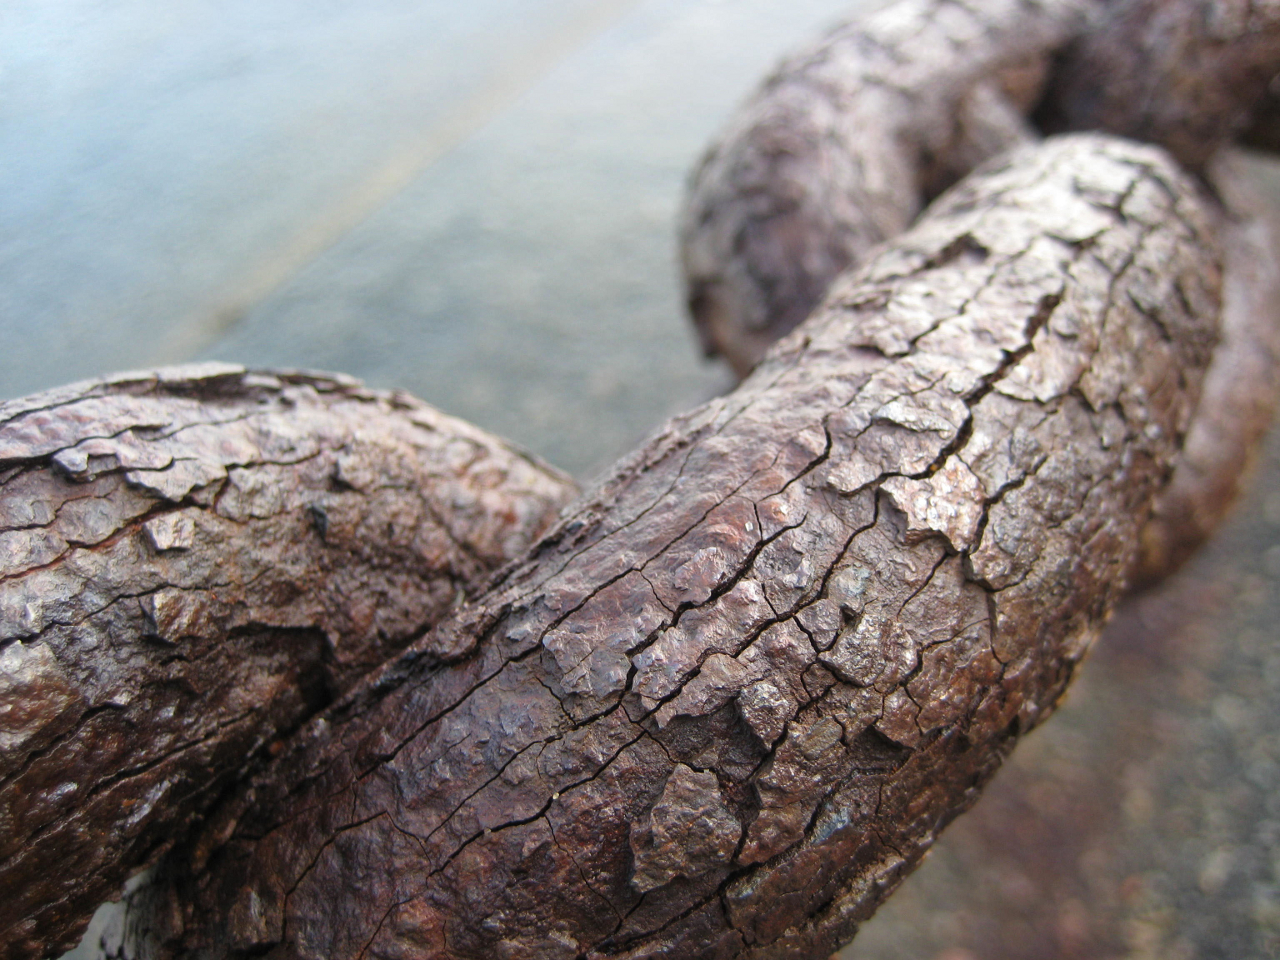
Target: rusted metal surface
[(732, 698), (841, 591), (1189, 75), (840, 148), (192, 563), (844, 144)]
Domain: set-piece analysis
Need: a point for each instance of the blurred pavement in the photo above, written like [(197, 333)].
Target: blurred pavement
[(474, 202)]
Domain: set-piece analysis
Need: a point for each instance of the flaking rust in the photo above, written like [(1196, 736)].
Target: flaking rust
[(731, 702), (192, 563)]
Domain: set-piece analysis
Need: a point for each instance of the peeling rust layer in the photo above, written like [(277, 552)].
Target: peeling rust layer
[(192, 562), (734, 696), (841, 146)]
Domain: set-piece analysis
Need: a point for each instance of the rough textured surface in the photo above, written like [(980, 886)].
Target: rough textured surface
[(843, 145), (192, 562), (1143, 821), (1242, 384), (839, 148), (841, 591), (1187, 74)]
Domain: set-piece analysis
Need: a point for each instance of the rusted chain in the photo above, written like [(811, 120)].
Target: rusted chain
[(848, 139), (844, 144), (734, 695), (733, 698), (194, 563)]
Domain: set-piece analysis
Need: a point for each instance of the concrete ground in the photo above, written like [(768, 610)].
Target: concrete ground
[(476, 203)]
